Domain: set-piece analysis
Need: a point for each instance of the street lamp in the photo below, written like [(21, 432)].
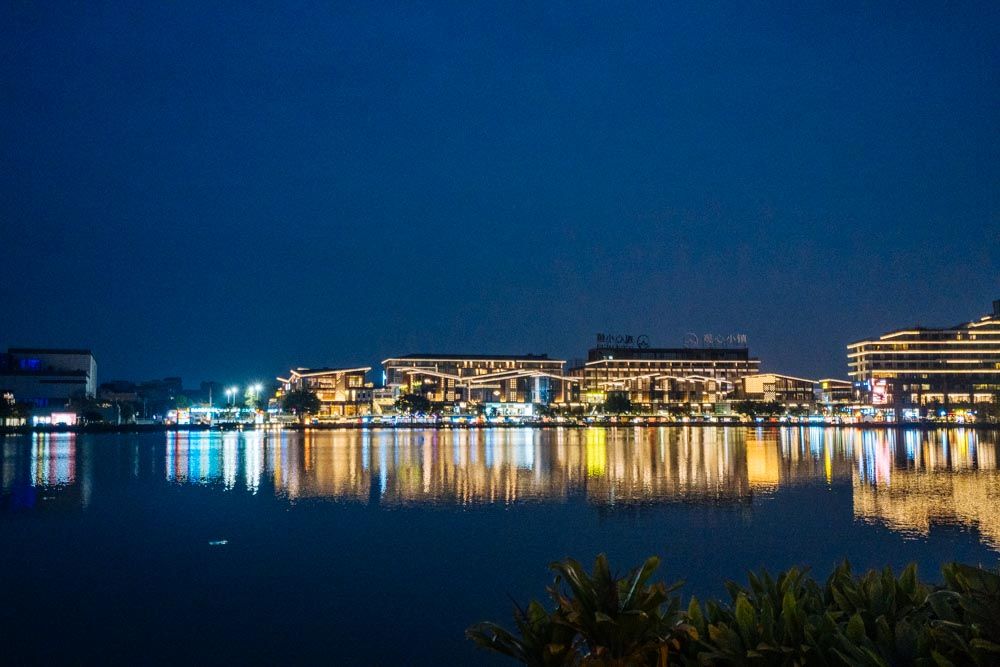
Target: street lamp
[(231, 393)]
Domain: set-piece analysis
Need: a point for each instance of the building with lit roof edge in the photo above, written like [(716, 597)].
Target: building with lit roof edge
[(652, 378), (516, 381), (342, 392), (913, 371)]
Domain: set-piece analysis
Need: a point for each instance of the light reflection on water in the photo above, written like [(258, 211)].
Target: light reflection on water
[(906, 480)]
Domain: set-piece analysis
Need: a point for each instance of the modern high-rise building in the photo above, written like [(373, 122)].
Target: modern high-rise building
[(47, 376), (918, 367)]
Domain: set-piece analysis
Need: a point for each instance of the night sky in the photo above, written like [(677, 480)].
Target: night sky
[(226, 191)]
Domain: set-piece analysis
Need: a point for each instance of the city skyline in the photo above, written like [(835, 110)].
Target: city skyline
[(218, 194), (691, 340)]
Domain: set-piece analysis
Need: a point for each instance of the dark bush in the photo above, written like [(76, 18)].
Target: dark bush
[(875, 619)]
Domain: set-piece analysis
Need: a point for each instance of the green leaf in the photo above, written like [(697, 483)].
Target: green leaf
[(745, 619), (695, 616), (856, 629)]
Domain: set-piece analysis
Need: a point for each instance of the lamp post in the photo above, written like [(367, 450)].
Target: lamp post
[(255, 392)]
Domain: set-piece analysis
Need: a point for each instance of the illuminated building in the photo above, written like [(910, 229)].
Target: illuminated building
[(834, 392), (342, 392), (654, 377), (45, 376), (917, 367), (785, 389), (479, 378)]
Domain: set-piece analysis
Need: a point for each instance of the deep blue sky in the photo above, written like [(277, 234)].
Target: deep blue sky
[(226, 191)]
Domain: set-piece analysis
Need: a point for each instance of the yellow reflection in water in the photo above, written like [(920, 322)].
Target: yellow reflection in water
[(763, 459), (907, 480), (597, 452), (935, 478)]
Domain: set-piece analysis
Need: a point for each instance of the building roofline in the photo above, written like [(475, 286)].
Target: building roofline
[(714, 361), (313, 372), (781, 375), (427, 356), (47, 350), (963, 326), (666, 349)]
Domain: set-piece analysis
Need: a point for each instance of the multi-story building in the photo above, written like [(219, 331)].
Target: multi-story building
[(912, 368), (830, 391), (46, 376), (775, 388), (342, 392), (657, 377), (479, 378)]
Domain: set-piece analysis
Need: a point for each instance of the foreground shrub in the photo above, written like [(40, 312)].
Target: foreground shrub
[(875, 618), (599, 619)]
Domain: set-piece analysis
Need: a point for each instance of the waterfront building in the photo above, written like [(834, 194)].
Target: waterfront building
[(48, 376), (784, 389), (657, 377), (913, 370), (342, 392), (457, 379), (830, 391)]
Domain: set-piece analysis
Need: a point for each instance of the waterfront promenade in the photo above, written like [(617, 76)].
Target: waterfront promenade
[(447, 424)]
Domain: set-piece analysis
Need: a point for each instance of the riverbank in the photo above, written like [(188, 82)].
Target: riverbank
[(449, 425)]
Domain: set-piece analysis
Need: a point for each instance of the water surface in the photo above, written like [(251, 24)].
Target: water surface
[(380, 547)]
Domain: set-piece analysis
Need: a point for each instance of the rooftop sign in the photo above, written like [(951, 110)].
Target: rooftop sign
[(715, 340), (622, 341)]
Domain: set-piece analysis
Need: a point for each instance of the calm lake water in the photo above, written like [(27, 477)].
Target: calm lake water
[(380, 547)]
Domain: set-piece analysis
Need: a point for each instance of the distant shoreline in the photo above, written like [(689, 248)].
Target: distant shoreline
[(185, 428)]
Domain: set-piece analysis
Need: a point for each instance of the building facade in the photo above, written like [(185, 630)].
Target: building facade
[(470, 379), (831, 391), (48, 376), (775, 388), (342, 392), (919, 368), (658, 377)]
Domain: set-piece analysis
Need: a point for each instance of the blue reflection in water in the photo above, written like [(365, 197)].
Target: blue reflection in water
[(609, 466), (326, 526)]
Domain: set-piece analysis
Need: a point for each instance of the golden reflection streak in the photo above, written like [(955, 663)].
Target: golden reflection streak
[(907, 480)]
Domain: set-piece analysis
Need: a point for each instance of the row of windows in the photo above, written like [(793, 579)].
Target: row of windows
[(937, 365)]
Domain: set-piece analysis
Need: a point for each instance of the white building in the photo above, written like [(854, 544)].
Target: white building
[(46, 376)]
